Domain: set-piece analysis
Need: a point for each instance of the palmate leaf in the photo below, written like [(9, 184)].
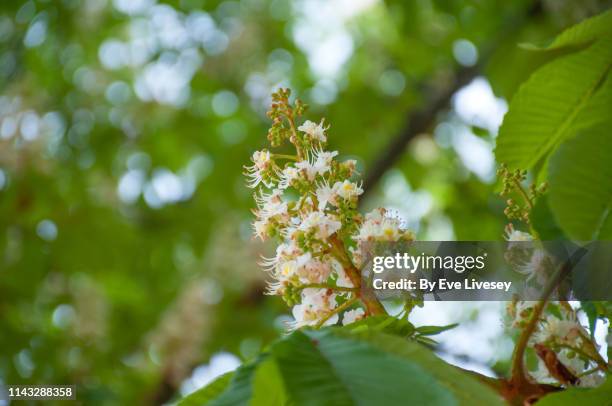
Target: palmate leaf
[(338, 367), (580, 175), (549, 105)]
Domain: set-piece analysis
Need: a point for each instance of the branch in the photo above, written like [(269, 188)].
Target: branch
[(421, 120), (418, 122)]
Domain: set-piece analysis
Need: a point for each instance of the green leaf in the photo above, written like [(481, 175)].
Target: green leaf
[(598, 109), (586, 31), (309, 377), (580, 176), (386, 324), (433, 330), (207, 393), (240, 388), (336, 367), (544, 111), (543, 221), (268, 388), (467, 389), (599, 396)]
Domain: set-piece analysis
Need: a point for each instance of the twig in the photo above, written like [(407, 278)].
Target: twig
[(285, 156), (524, 194), (337, 310), (326, 286), (588, 372)]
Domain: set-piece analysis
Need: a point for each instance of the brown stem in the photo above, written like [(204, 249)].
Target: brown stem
[(371, 302), (519, 376), (367, 297)]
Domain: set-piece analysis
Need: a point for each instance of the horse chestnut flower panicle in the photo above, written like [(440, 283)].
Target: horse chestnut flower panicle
[(321, 233)]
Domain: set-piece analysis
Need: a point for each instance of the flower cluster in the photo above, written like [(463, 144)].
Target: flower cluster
[(570, 341), (564, 338), (566, 352), (561, 342), (308, 201), (512, 184)]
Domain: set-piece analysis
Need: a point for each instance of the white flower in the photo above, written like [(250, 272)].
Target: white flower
[(262, 162), (378, 227), (272, 210), (271, 204), (539, 267), (316, 305), (289, 268), (592, 380), (376, 215), (314, 130), (317, 164), (515, 235), (322, 224), (307, 168), (389, 230), (261, 159), (347, 189), (285, 270), (565, 331), (261, 228), (284, 252), (352, 316), (315, 271), (323, 160), (325, 194), (288, 175)]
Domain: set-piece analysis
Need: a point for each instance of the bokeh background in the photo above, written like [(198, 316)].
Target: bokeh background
[(127, 265)]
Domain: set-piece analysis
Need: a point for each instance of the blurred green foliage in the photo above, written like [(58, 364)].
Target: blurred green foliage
[(126, 258)]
